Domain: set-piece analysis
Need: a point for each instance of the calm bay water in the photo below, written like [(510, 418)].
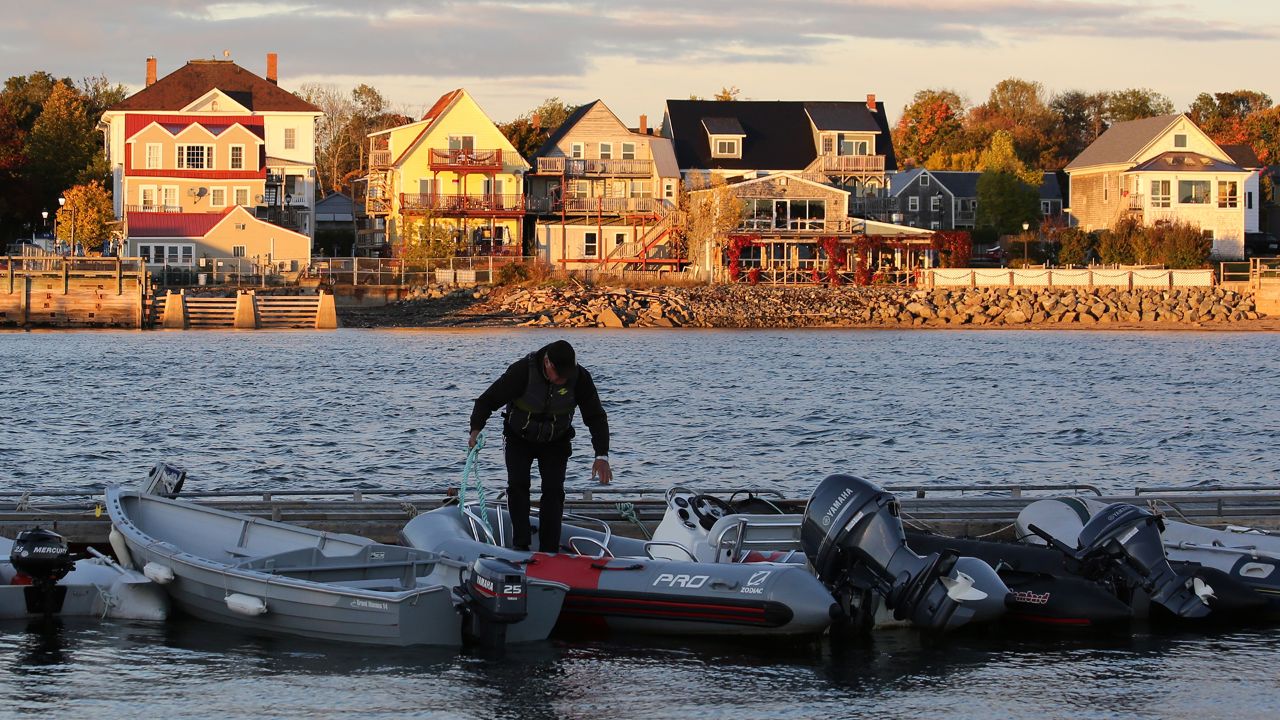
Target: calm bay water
[(714, 409)]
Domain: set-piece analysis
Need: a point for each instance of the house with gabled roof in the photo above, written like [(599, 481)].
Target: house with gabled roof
[(603, 193), (1165, 169), (451, 169), (842, 143), (948, 199), (209, 137)]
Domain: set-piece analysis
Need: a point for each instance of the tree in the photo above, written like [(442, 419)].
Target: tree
[(1018, 107), (1222, 116), (1136, 104), (25, 95), (1074, 246), (87, 219), (711, 212), (727, 93), (1079, 118), (61, 144), (530, 130), (424, 240), (932, 123), (1000, 157), (1005, 202)]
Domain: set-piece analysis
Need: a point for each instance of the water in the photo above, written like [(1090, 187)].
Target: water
[(715, 409)]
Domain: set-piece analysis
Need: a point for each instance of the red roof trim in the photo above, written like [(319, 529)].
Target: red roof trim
[(133, 124)]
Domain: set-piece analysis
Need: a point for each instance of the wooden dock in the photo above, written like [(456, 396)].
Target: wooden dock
[(962, 511), (72, 292)]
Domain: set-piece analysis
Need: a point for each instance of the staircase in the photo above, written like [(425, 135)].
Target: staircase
[(650, 247)]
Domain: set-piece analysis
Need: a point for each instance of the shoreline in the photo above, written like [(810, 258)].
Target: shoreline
[(819, 308)]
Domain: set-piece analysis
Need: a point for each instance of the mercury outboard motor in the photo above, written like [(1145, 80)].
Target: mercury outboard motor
[(494, 597), (42, 556), (852, 534), (1122, 544)]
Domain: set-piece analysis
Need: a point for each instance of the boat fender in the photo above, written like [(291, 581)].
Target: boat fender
[(246, 604), (119, 547), (157, 573)]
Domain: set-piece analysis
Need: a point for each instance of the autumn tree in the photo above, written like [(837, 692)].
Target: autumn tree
[(424, 240), (932, 123), (1008, 191), (1079, 118), (711, 212), (87, 219), (1223, 116), (727, 93), (1019, 108)]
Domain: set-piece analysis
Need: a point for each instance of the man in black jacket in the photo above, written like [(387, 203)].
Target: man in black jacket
[(540, 392)]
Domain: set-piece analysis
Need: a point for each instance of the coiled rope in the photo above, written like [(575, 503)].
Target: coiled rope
[(471, 472), (628, 512)]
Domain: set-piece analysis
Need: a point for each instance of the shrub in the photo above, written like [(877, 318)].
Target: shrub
[(513, 274), (1183, 246), (1074, 245)]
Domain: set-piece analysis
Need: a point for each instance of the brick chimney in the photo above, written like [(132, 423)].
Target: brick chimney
[(644, 124), (151, 71), (537, 121), (273, 68), (871, 102)]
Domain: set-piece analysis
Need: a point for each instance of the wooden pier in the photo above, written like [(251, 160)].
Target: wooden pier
[(72, 292), (969, 511)]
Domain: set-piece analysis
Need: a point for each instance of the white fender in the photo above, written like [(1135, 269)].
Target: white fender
[(246, 604), (157, 573), (119, 547)]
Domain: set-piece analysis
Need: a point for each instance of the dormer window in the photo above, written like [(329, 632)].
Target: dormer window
[(924, 180), (726, 148)]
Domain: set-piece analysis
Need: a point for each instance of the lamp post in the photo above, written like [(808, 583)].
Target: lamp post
[(1025, 227), (44, 216)]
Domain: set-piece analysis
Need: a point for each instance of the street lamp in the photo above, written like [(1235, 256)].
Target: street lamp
[(1025, 227)]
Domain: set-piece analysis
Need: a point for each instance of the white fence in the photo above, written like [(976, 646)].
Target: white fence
[(1067, 277)]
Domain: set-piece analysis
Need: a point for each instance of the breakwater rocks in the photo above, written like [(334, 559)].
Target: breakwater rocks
[(773, 307)]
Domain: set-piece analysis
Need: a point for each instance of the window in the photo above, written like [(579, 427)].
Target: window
[(575, 151), (1193, 192), (217, 197), (924, 180), (1228, 195), (913, 204), (1160, 193), (669, 190), (1106, 188), (1046, 208), (1180, 140), (619, 238), (860, 147), (589, 245), (725, 148), (606, 151), (237, 157), (639, 189), (147, 196), (1248, 200), (237, 251), (195, 157), (242, 196), (492, 186), (935, 203), (935, 225), (628, 151), (144, 252), (464, 143), (187, 252), (828, 144), (153, 156), (290, 138)]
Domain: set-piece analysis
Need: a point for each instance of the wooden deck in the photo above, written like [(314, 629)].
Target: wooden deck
[(969, 511)]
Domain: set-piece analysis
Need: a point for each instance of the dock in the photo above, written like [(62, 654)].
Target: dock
[(964, 511)]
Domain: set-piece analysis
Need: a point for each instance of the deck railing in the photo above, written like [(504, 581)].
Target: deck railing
[(466, 159), (580, 167), (461, 204), (379, 158), (873, 164)]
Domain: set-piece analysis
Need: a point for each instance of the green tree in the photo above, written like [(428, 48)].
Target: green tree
[(425, 240), (529, 131), (1183, 246), (1074, 246), (1079, 118), (87, 219), (61, 143), (1005, 201), (932, 123), (1001, 157), (1117, 245), (1019, 108), (1136, 104)]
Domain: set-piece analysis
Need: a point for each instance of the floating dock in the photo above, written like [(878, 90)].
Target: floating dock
[(966, 511)]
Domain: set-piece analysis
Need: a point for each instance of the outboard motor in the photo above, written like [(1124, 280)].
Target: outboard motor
[(494, 597), (852, 534), (42, 556), (1123, 543)]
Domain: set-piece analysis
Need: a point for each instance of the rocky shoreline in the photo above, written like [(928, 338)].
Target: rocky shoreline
[(725, 306)]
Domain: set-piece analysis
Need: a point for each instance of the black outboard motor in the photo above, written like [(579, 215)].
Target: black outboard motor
[(1123, 544), (853, 536), (495, 597), (42, 555)]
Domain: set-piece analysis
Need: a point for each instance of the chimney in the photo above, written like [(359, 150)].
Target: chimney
[(151, 71), (537, 122), (871, 102), (644, 124), (273, 62)]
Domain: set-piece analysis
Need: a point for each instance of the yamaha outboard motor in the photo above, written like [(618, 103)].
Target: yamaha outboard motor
[(1122, 543), (852, 534), (494, 597), (42, 556)]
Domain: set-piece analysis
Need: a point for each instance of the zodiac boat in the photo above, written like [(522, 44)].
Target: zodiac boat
[(267, 576)]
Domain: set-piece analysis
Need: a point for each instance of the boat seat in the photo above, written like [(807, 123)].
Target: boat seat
[(734, 537)]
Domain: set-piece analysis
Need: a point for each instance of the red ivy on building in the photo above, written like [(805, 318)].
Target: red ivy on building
[(738, 243), (837, 257), (953, 247)]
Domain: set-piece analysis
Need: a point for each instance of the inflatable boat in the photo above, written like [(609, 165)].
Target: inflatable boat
[(1232, 572)]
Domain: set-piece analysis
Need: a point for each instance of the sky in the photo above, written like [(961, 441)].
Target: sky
[(635, 54)]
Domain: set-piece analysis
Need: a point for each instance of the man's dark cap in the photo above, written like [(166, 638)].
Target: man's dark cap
[(562, 357)]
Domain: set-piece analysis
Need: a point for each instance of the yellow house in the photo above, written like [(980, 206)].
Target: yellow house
[(452, 169)]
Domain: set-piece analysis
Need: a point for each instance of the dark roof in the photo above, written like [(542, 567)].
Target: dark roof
[(723, 126), (1242, 155), (779, 134), (192, 81), (557, 134), (837, 116), (1183, 162), (1051, 188), (1122, 141), (962, 184)]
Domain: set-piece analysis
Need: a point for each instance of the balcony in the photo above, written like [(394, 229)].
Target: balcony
[(477, 160), (801, 226), (380, 158), (423, 203), (1135, 203), (582, 167), (153, 208), (851, 164)]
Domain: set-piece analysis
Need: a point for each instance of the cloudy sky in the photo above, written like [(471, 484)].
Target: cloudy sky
[(634, 54)]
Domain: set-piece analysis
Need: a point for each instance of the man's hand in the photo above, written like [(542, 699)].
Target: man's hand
[(600, 469), (471, 442)]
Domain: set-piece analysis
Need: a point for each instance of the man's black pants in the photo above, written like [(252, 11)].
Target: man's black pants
[(553, 459)]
